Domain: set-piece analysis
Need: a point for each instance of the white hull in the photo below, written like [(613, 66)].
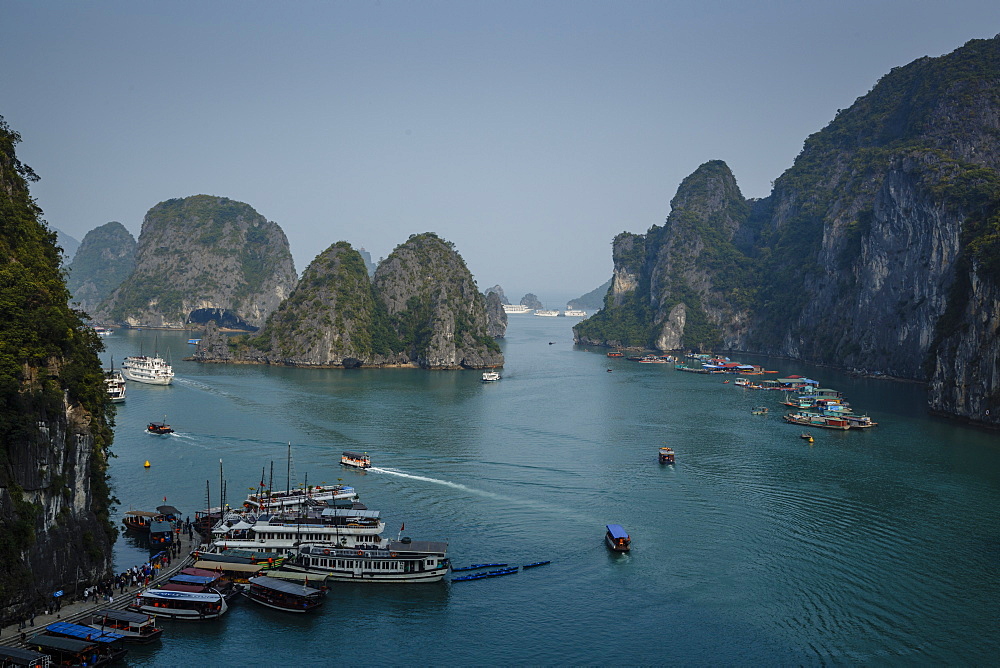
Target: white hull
[(516, 309), (140, 377), (435, 575), (547, 314)]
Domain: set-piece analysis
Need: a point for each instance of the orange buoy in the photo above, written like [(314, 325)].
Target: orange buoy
[(146, 465)]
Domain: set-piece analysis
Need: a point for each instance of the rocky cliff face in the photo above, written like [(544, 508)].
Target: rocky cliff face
[(54, 414), (496, 317), (499, 292), (106, 257), (422, 308), (202, 258), (435, 306), (876, 250), (593, 300), (332, 318)]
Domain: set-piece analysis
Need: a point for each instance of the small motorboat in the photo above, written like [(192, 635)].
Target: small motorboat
[(806, 437), (617, 539), (159, 428), (759, 410), (666, 455), (536, 563), (491, 376), (356, 460)]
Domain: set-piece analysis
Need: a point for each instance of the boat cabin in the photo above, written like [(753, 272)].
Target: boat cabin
[(283, 595), (355, 459), (72, 645), (161, 532), (190, 605), (15, 656), (160, 428), (139, 520), (617, 539), (666, 455), (135, 627)]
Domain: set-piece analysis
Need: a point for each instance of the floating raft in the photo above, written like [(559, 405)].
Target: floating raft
[(475, 567), (477, 576), (537, 563)]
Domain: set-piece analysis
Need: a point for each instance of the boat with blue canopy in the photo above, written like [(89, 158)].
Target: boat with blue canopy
[(617, 538)]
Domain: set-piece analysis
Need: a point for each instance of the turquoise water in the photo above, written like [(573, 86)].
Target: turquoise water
[(756, 547)]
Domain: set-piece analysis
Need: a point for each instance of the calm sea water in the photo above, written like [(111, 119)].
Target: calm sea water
[(755, 548)]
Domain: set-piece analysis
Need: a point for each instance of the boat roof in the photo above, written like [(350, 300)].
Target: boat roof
[(418, 546), (142, 513), (123, 616), (83, 632), (20, 657), (183, 579), (350, 512), (175, 595), (295, 575), (46, 641), (358, 455), (161, 526), (284, 586), (617, 531), (202, 572), (178, 586), (167, 510), (230, 566)]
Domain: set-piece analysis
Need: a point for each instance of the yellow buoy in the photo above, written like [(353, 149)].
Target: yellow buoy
[(146, 465)]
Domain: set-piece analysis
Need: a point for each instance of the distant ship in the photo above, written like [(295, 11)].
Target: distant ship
[(575, 313), (547, 314), (510, 309)]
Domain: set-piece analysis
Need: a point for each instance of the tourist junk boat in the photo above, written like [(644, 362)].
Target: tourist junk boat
[(356, 460), (616, 353), (74, 651), (398, 561), (666, 455), (617, 539), (134, 627), (140, 520), (816, 420), (115, 383), (174, 604), (514, 309), (547, 313), (575, 313), (283, 595), (159, 429), (109, 643), (161, 533), (151, 370), (264, 500), (491, 376), (24, 658)]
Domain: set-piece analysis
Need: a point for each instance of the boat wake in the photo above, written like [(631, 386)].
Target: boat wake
[(446, 483)]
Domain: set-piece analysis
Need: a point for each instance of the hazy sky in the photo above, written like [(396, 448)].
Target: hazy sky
[(527, 133)]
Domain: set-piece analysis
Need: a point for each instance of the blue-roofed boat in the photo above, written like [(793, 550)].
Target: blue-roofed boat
[(67, 651), (617, 538), (109, 646)]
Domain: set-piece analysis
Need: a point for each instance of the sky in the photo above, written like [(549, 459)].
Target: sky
[(528, 134)]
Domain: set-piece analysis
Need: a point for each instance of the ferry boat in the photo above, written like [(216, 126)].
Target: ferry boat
[(103, 331), (398, 561), (115, 383), (283, 595), (134, 627), (353, 527), (547, 314), (357, 460), (575, 313), (263, 500), (617, 539), (188, 605), (67, 651), (514, 309), (491, 376), (151, 370), (159, 428), (616, 353), (666, 455)]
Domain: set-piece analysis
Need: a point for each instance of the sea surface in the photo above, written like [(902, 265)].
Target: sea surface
[(864, 547)]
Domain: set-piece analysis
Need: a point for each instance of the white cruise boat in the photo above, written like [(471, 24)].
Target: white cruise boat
[(353, 528), (401, 561), (197, 606), (547, 314), (514, 309), (262, 500), (491, 376), (115, 383), (575, 313), (144, 369)]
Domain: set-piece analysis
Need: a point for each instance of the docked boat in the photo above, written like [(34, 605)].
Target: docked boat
[(399, 561), (159, 428), (73, 651), (666, 455), (151, 370), (134, 627), (139, 520), (200, 580), (491, 376), (174, 604), (115, 383), (617, 539), (616, 353), (103, 331), (110, 643), (575, 313), (353, 528), (270, 501), (24, 658), (546, 313), (283, 595), (161, 533), (356, 460), (515, 309), (759, 410), (816, 420)]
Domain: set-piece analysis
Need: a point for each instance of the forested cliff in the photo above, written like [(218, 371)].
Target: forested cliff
[(55, 417), (878, 249)]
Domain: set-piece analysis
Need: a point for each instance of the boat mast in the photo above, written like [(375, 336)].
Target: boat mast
[(288, 469), (222, 492)]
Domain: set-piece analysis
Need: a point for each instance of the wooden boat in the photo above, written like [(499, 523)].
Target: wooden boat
[(356, 460), (161, 533), (616, 353), (109, 644), (140, 520), (134, 627), (283, 595), (814, 420), (666, 455), (67, 651), (759, 410), (617, 539), (159, 428), (26, 658), (175, 604), (806, 437)]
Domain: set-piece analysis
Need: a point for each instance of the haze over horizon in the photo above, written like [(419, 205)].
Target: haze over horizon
[(528, 134)]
